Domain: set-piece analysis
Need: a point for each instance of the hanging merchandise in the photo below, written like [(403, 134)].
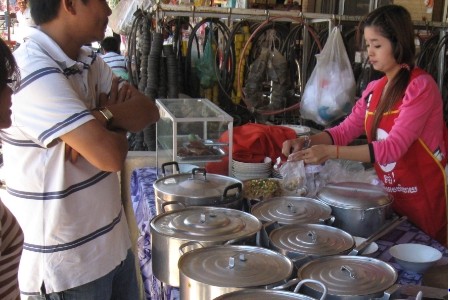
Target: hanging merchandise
[(269, 68), (205, 66), (330, 91)]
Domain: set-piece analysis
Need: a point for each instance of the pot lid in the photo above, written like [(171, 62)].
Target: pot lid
[(206, 223), (354, 195), (349, 275), (262, 294), (291, 210), (196, 184), (235, 266), (310, 239)]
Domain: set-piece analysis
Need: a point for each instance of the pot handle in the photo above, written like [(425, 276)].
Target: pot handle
[(324, 288), (287, 284), (163, 205), (164, 165), (328, 221), (191, 243), (195, 170), (237, 185)]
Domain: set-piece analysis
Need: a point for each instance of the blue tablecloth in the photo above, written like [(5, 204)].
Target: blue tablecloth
[(143, 198)]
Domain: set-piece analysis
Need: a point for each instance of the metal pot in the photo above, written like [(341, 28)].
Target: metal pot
[(274, 294), (292, 210), (349, 277), (359, 208), (304, 242), (217, 270), (197, 189), (208, 226)]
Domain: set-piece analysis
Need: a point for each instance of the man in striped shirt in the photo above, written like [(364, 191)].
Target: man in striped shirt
[(110, 48), (62, 154)]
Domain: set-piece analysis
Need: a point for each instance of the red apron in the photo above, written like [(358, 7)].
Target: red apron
[(417, 181)]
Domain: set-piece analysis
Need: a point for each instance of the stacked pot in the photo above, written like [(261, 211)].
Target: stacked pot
[(209, 248)]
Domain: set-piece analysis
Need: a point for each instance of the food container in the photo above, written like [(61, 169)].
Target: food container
[(274, 294), (349, 277), (359, 208), (305, 242), (217, 270), (198, 188), (208, 226), (292, 210)]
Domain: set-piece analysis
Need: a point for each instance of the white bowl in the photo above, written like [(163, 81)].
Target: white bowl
[(370, 250), (415, 257)]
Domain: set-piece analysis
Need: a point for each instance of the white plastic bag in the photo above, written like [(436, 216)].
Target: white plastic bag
[(330, 91)]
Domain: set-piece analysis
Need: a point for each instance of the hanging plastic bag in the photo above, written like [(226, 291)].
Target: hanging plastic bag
[(206, 65), (330, 91)]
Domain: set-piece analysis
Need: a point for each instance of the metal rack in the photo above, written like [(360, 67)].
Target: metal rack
[(162, 11)]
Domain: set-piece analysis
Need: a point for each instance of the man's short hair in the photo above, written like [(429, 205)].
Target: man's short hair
[(110, 44)]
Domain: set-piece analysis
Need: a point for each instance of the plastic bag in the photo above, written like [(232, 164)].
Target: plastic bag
[(330, 91), (294, 177), (206, 65)]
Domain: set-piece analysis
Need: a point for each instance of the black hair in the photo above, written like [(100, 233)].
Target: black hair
[(43, 11), (394, 23), (110, 44), (8, 66)]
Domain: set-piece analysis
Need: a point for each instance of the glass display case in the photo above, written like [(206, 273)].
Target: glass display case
[(189, 130)]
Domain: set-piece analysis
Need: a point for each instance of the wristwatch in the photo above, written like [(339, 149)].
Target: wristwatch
[(107, 114)]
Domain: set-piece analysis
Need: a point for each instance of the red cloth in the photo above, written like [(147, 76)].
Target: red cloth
[(252, 143)]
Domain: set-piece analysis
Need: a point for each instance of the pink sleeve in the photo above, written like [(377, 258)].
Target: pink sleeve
[(420, 116), (353, 126)]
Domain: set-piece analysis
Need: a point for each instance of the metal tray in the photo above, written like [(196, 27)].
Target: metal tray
[(219, 154)]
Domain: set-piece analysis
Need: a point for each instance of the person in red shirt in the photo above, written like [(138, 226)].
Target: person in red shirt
[(402, 117)]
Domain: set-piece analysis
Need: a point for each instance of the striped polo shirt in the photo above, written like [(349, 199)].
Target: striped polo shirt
[(117, 63), (71, 213)]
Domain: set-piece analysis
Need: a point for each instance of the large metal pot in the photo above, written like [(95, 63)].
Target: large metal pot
[(208, 226), (304, 242), (207, 273), (359, 208), (198, 188), (274, 294), (292, 210), (349, 277)]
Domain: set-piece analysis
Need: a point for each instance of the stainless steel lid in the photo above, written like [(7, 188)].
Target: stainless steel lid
[(205, 223), (310, 239), (235, 266), (261, 294), (349, 275), (196, 185), (291, 210), (358, 195)]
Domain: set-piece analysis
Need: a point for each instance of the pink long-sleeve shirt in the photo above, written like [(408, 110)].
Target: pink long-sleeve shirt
[(421, 116)]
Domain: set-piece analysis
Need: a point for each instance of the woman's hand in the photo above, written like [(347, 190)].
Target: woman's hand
[(317, 154), (290, 147)]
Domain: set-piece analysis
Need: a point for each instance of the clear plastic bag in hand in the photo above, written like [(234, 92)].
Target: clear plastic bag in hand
[(294, 177)]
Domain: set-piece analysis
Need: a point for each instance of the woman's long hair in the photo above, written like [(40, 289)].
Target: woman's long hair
[(394, 23)]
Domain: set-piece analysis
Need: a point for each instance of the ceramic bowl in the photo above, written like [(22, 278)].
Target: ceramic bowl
[(415, 257), (370, 250)]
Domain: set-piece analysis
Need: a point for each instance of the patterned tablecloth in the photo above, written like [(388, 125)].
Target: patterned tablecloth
[(143, 198)]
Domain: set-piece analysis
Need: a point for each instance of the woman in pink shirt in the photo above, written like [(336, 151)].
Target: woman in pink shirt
[(402, 116)]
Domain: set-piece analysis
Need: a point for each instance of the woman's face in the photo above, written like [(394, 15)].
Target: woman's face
[(5, 106), (380, 52)]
